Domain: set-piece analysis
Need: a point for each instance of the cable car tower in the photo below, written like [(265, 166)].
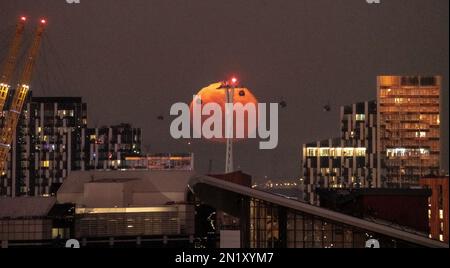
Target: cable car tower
[(229, 88)]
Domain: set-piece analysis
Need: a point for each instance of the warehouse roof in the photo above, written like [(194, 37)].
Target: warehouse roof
[(25, 207)]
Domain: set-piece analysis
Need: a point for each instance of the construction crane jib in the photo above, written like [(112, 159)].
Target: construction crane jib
[(8, 129)]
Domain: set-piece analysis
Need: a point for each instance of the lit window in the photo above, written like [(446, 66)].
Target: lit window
[(441, 214), (324, 152), (311, 152), (45, 164), (335, 152), (399, 152), (58, 233), (348, 151), (360, 151), (360, 117), (421, 134), (403, 171), (441, 238), (429, 214)]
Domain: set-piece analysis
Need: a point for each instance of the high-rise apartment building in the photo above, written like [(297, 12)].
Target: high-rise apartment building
[(107, 147), (391, 142), (346, 162), (328, 164), (409, 128), (46, 146), (359, 130), (53, 139)]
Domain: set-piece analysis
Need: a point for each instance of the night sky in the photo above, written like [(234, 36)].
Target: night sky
[(131, 60)]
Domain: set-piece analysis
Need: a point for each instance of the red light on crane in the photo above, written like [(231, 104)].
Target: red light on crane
[(234, 80), (23, 18), (43, 21)]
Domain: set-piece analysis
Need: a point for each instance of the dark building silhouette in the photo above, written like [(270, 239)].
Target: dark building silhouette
[(438, 206), (382, 205)]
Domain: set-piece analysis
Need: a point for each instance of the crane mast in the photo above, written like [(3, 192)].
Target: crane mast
[(10, 62), (12, 118)]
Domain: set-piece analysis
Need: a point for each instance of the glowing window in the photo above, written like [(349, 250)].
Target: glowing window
[(348, 151), (400, 152), (325, 152), (421, 134), (336, 152), (360, 117), (45, 164), (360, 151), (311, 152)]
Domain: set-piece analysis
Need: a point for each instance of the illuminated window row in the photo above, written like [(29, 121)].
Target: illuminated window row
[(410, 91), (63, 113), (412, 109), (407, 126), (410, 101), (398, 152), (335, 152), (434, 146)]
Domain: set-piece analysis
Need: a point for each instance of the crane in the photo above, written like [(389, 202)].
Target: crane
[(11, 61), (12, 118)]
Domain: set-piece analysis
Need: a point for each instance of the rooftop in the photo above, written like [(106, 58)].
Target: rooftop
[(317, 211), (25, 207), (131, 188), (57, 99)]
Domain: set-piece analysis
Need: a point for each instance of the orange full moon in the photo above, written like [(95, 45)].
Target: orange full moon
[(214, 94)]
